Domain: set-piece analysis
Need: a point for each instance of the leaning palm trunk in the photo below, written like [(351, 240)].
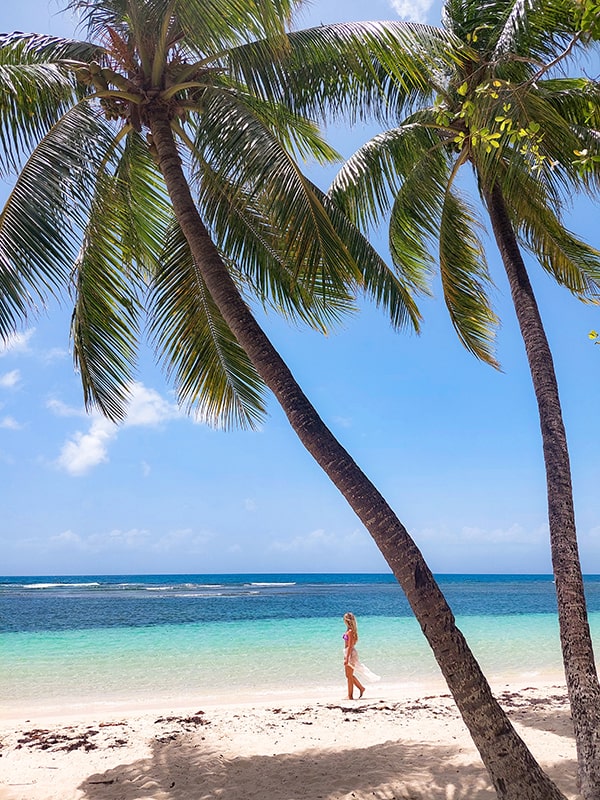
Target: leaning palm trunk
[(514, 772), (578, 655)]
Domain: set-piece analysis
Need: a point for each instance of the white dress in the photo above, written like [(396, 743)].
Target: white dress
[(354, 661)]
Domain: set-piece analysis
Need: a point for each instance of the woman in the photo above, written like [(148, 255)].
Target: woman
[(351, 661)]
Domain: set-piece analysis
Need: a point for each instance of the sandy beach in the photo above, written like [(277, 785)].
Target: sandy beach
[(391, 745)]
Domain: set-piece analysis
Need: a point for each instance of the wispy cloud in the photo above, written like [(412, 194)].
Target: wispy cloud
[(412, 10), (114, 540), (514, 534), (10, 423), (343, 422), (17, 343), (61, 409), (21, 344), (10, 379), (182, 541), (318, 541), (55, 354), (85, 450)]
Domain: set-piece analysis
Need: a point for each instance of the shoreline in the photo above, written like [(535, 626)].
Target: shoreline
[(108, 707), (397, 742), (17, 711)]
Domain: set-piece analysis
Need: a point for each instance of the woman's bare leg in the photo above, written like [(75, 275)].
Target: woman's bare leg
[(351, 680), (359, 685)]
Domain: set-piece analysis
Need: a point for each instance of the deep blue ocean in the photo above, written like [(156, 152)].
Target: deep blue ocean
[(123, 638)]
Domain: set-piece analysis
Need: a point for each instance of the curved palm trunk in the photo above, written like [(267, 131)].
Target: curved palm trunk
[(514, 772), (576, 642)]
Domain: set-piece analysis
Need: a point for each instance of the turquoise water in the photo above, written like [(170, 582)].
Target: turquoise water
[(260, 642)]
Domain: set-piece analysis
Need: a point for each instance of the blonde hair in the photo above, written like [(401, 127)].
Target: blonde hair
[(350, 621)]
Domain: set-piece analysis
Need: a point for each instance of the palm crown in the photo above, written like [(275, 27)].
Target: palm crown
[(90, 210), (500, 111)]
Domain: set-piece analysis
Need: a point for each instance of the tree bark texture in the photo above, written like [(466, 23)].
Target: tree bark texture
[(514, 772), (575, 637)]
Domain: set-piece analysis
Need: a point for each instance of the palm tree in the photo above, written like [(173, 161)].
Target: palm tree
[(504, 112), (161, 184)]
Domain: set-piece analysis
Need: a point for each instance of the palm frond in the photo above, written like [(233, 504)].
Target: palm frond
[(36, 90), (238, 143), (213, 375), (122, 247), (251, 245), (538, 130), (378, 282), (501, 29), (20, 49), (43, 220), (404, 168), (540, 28), (145, 206), (216, 25), (373, 175), (359, 69), (465, 278), (558, 138), (573, 263), (104, 323)]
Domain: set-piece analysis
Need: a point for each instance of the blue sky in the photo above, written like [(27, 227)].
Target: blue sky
[(452, 444)]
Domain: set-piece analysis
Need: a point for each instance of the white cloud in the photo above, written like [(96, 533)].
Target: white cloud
[(109, 541), (146, 469), (86, 450), (16, 343), (412, 10), (55, 354), (61, 409), (343, 422), (476, 536), (148, 409), (137, 540), (67, 539), (250, 504), (183, 540), (10, 423), (10, 379), (19, 343), (132, 539), (319, 541), (514, 534), (6, 458)]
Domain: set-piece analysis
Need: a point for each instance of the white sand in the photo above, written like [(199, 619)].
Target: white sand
[(393, 744)]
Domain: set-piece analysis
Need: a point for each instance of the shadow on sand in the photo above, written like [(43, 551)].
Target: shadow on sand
[(186, 768)]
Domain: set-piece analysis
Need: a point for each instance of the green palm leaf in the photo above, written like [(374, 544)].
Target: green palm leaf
[(213, 374), (42, 222), (349, 68), (252, 246), (122, 245), (573, 263), (104, 324), (35, 91), (243, 150), (465, 278)]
